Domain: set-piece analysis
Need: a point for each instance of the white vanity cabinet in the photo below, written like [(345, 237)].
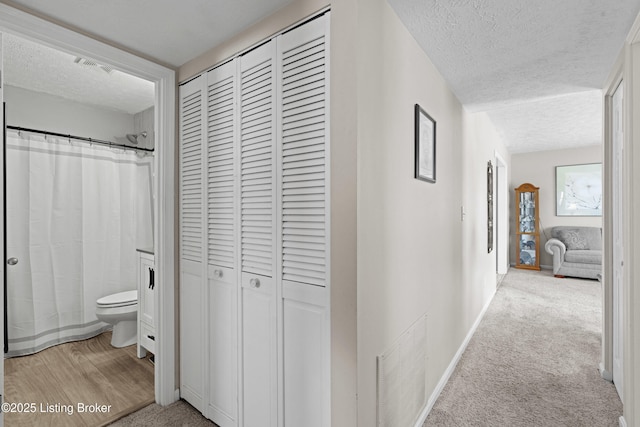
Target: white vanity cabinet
[(146, 302)]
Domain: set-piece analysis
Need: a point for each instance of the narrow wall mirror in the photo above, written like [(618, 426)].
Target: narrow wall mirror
[(489, 207)]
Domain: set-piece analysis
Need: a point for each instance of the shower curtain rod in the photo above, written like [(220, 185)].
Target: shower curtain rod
[(80, 138)]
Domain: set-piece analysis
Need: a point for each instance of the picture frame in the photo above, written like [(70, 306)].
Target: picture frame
[(425, 145), (579, 190)]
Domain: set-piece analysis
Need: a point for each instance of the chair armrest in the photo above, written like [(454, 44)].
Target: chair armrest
[(554, 245)]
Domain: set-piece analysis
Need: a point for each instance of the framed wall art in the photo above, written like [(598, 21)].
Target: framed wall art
[(425, 146), (579, 190)]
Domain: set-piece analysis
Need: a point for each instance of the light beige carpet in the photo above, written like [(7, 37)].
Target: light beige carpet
[(178, 414), (533, 360)]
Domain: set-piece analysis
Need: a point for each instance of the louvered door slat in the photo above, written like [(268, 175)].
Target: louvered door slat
[(192, 134), (303, 206), (220, 169), (257, 181), (191, 185)]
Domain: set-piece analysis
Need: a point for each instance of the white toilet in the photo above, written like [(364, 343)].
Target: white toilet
[(120, 310)]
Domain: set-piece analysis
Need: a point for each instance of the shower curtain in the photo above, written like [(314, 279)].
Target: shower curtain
[(75, 215)]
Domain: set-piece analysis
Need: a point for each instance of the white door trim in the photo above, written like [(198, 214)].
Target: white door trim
[(617, 251), (625, 69), (501, 214), (28, 26), (606, 365)]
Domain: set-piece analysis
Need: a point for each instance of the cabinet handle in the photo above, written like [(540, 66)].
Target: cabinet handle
[(151, 278), (151, 337), (217, 273), (255, 283)]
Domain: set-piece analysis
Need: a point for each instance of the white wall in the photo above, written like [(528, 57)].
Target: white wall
[(144, 122), (415, 255), (480, 144), (539, 169), (29, 109)]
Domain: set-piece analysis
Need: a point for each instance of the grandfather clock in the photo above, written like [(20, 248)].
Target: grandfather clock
[(527, 227)]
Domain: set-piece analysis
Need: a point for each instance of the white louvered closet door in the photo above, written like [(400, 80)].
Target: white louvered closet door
[(254, 230), (222, 207), (191, 241), (304, 217), (258, 203)]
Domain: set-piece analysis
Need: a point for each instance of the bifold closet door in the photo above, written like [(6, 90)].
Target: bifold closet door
[(258, 239), (304, 212), (222, 281), (191, 241), (254, 230)]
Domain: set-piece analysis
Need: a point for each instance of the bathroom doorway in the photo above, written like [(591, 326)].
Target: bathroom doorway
[(79, 145), (77, 206), (21, 24)]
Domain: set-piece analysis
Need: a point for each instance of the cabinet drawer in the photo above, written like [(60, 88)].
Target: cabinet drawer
[(147, 337)]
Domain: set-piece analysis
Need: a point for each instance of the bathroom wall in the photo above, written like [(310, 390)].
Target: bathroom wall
[(144, 121), (36, 110)]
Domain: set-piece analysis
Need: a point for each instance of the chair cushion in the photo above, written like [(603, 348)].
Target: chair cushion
[(584, 256)]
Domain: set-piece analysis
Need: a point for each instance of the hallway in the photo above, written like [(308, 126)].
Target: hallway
[(533, 360)]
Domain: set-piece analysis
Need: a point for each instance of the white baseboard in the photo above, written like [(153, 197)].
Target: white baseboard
[(622, 422), (452, 366), (607, 375)]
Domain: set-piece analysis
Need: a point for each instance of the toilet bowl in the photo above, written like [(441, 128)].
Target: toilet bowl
[(120, 310)]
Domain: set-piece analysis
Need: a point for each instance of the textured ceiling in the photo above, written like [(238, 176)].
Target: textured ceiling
[(536, 67), (551, 123), (511, 57), (29, 65), (170, 32)]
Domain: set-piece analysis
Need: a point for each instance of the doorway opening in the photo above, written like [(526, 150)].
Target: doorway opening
[(77, 208), (501, 217), (23, 25)]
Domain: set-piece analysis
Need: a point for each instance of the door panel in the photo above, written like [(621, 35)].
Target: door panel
[(223, 342), (618, 238), (258, 201), (191, 238), (259, 351), (221, 202), (3, 264)]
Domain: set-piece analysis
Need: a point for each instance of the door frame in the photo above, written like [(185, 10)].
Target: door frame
[(501, 214), (617, 237), (33, 28), (616, 77), (627, 69)]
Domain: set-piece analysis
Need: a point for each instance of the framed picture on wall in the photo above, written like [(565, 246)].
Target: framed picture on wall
[(579, 190), (425, 146)]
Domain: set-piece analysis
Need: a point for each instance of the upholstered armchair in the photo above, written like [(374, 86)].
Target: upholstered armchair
[(577, 251)]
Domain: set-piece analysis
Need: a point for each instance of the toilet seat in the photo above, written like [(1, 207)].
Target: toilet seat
[(121, 299)]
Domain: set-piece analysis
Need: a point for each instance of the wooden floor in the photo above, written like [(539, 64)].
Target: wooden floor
[(83, 383)]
